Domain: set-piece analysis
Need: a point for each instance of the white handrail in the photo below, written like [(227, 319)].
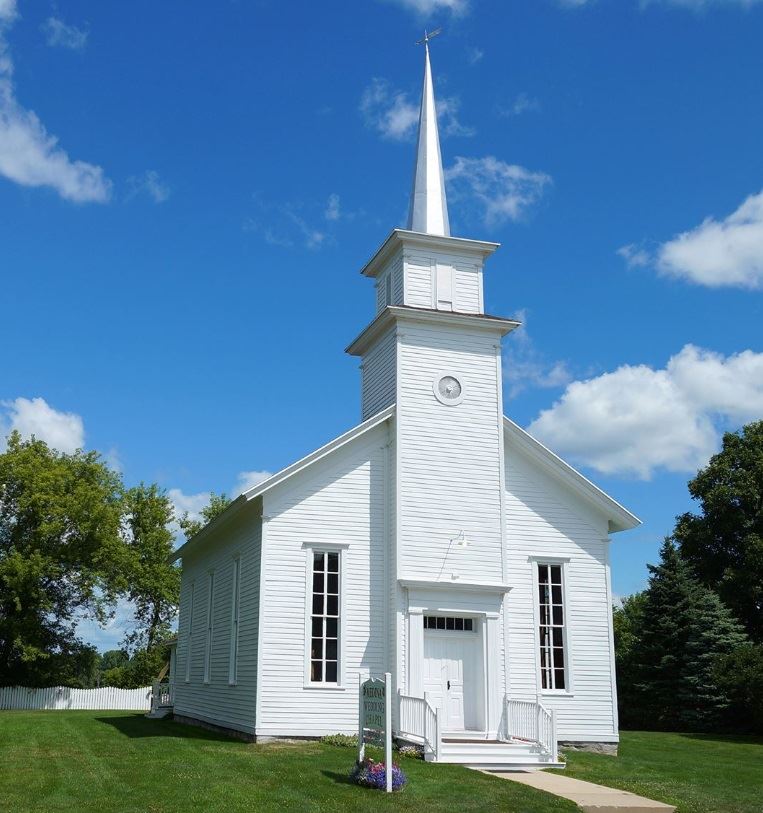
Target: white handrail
[(531, 721), (162, 695), (418, 721)]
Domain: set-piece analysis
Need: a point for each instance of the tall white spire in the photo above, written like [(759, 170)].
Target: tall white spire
[(428, 211)]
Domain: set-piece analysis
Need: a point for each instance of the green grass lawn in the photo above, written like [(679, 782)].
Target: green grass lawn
[(697, 773), (80, 761), (113, 762)]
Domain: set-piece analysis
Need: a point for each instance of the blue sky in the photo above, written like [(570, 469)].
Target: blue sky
[(187, 193)]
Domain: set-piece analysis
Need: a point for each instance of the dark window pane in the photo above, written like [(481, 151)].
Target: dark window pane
[(317, 582), (333, 583), (318, 561), (331, 649), (543, 658), (332, 605), (558, 637), (559, 658), (450, 623), (317, 627), (331, 671), (543, 594), (544, 636), (559, 678), (544, 614), (427, 622), (468, 624), (556, 574), (556, 594), (544, 679), (460, 624), (333, 562), (542, 573), (558, 616), (440, 623), (318, 605), (331, 628), (316, 671), (316, 650)]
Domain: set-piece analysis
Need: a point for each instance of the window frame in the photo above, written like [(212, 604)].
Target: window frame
[(235, 619), (562, 563), (189, 635), (310, 550), (210, 627)]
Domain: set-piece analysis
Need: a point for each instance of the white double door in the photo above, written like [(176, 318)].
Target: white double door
[(448, 672)]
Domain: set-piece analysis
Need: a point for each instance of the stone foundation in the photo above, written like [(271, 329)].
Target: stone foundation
[(609, 748), (229, 732)]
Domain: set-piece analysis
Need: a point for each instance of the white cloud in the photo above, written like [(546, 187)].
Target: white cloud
[(635, 256), (475, 55), (333, 210), (29, 155), (285, 225), (637, 420), (191, 504), (425, 8), (149, 183), (500, 191), (58, 33), (523, 103), (395, 116), (249, 479), (718, 253), (63, 431), (112, 633), (525, 367)]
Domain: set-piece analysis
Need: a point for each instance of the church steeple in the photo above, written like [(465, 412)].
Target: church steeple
[(428, 211)]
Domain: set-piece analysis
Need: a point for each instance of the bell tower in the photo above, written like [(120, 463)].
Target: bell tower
[(433, 352)]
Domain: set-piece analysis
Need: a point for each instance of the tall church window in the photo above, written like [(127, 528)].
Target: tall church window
[(551, 620), (210, 630), (325, 618), (189, 636), (234, 616)]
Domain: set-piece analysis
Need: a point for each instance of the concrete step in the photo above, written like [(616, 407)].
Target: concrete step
[(493, 755)]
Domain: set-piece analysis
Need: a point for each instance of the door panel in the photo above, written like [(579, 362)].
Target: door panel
[(445, 655)]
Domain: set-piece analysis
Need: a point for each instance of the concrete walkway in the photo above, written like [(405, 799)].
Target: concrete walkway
[(588, 797)]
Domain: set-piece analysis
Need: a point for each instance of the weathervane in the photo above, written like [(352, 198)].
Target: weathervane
[(429, 36)]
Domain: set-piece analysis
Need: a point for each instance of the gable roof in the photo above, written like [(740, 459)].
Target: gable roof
[(620, 518), (279, 477)]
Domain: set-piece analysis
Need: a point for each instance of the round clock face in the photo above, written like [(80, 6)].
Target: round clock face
[(448, 390)]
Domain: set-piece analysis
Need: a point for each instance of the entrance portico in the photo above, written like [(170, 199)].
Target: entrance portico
[(453, 657)]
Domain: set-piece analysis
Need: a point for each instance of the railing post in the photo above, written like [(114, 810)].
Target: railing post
[(437, 730), (554, 746)]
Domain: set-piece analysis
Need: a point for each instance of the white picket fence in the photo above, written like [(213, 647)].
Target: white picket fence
[(62, 697)]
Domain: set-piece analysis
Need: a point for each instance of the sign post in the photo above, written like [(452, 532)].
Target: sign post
[(375, 719)]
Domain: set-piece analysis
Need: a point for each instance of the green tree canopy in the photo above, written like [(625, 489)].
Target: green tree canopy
[(153, 585), (61, 554), (724, 542), (217, 504)]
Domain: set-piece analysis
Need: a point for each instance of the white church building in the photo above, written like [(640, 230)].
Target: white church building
[(436, 540)]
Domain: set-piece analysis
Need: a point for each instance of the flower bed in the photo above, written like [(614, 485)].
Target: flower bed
[(372, 774)]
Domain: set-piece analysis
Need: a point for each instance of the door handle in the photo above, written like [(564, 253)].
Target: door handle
[(448, 685)]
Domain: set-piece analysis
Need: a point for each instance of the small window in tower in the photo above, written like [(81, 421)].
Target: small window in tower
[(388, 289)]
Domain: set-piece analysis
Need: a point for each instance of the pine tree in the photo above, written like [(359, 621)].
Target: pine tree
[(713, 633), (661, 650)]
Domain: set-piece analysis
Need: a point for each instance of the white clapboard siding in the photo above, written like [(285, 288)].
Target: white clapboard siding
[(231, 706), (419, 287), (337, 500), (449, 455), (545, 519), (378, 376), (62, 698)]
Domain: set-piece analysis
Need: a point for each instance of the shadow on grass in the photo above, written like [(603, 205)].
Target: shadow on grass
[(339, 778), (737, 739), (136, 726)]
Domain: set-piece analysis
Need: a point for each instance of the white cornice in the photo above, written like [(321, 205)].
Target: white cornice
[(405, 313), (402, 237), (449, 584)]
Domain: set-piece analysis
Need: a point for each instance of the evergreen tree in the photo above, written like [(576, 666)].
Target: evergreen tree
[(660, 653), (713, 633)]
